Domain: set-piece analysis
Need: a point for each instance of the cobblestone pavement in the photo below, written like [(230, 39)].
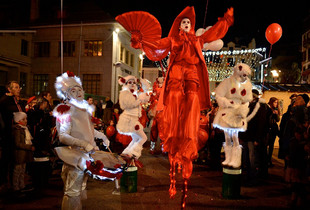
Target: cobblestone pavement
[(205, 191)]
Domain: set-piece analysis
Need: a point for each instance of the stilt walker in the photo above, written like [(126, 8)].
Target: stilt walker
[(186, 88), (233, 96)]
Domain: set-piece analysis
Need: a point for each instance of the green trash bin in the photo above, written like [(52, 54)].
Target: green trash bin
[(231, 183), (129, 180)]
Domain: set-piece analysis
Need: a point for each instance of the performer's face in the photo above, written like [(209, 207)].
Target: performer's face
[(185, 25), (131, 84), (77, 93)]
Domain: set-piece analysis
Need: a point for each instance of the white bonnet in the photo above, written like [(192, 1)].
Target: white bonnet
[(18, 116), (123, 80)]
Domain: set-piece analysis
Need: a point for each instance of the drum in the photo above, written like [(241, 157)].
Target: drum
[(105, 166), (99, 165)]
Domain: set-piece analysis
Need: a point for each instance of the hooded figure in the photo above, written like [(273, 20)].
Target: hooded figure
[(186, 88)]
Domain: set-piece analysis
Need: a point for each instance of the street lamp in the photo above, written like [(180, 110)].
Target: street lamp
[(275, 75)]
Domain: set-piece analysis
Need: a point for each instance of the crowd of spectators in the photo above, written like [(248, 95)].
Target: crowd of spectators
[(265, 124)]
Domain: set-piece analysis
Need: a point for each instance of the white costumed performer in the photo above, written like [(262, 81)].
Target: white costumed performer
[(233, 96), (130, 101), (76, 130)]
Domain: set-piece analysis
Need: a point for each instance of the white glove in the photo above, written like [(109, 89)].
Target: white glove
[(88, 147), (145, 85), (144, 97), (106, 142)]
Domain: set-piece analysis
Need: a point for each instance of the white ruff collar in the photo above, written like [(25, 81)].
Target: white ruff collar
[(82, 105)]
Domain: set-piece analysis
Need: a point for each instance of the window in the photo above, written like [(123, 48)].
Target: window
[(92, 48), (132, 60), (122, 53), (41, 49), (91, 83), (127, 57), (68, 49), (40, 83), (3, 78), (24, 47), (23, 82)]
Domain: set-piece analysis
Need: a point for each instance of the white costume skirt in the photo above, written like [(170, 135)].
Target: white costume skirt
[(128, 124), (232, 118)]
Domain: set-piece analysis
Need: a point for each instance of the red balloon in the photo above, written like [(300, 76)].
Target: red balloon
[(273, 33), (202, 138), (110, 131)]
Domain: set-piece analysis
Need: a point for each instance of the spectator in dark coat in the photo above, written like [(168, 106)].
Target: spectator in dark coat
[(299, 118), (274, 128), (254, 139), (41, 124), (9, 103), (108, 111), (285, 118), (296, 170)]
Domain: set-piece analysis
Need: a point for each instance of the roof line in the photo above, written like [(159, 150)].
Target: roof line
[(75, 24), (17, 31)]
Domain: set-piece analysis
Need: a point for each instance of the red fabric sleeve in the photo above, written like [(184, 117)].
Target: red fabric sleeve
[(218, 30), (158, 50)]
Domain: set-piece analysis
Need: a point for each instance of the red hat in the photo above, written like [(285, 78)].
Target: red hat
[(188, 12), (31, 99)]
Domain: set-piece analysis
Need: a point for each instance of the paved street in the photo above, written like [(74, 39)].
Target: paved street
[(205, 189)]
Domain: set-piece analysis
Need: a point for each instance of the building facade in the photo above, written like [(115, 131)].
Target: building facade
[(15, 58), (99, 53)]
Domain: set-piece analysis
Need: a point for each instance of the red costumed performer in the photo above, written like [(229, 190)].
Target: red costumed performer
[(186, 88), (156, 129)]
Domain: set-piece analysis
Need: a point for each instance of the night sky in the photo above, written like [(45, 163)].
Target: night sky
[(252, 17)]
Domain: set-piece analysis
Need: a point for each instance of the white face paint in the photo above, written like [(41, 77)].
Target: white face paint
[(131, 84), (185, 25), (76, 93)]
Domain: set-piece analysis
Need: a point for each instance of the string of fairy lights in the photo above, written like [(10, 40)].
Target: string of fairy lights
[(220, 63)]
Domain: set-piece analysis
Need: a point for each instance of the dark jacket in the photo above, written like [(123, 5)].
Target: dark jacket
[(7, 108), (299, 115), (259, 125), (22, 151), (40, 123)]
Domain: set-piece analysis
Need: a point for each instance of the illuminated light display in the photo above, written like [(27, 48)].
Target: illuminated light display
[(220, 64)]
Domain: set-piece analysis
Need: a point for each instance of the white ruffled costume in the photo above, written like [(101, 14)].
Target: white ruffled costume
[(76, 130), (233, 96), (128, 124)]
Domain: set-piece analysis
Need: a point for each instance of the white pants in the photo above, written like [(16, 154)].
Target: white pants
[(74, 186)]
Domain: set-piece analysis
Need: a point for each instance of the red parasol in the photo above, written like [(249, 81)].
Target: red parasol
[(143, 22)]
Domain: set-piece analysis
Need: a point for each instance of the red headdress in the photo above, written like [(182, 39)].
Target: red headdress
[(188, 12)]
